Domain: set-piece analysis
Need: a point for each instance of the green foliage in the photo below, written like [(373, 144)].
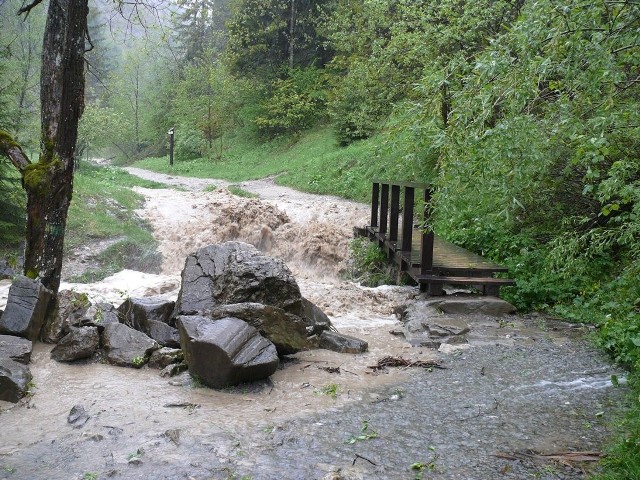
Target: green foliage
[(366, 433), (296, 104), (189, 143), (368, 264)]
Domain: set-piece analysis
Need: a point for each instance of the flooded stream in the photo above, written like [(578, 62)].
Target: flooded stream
[(522, 388)]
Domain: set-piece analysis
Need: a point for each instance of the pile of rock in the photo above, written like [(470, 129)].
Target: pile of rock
[(237, 312)]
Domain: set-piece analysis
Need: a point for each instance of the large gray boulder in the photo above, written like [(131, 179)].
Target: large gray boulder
[(71, 308), (127, 347), (235, 272), (79, 343), (225, 352), (14, 380), (16, 348), (26, 308), (138, 313)]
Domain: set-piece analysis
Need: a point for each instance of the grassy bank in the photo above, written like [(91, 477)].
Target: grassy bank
[(103, 209), (312, 163)]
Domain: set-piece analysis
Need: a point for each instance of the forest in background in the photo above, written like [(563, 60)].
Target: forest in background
[(525, 115)]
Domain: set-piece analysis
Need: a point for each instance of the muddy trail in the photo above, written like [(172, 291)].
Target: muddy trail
[(518, 401)]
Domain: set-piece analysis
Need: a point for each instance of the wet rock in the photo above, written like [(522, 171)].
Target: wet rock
[(164, 334), (338, 342), (235, 272), (100, 316), (317, 321), (286, 331), (16, 348), (78, 416), (70, 310), (472, 304), (165, 356), (26, 308), (138, 313), (79, 343), (125, 346), (14, 380), (225, 352), (427, 326), (174, 369)]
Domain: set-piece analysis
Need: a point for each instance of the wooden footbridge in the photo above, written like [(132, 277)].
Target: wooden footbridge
[(430, 260)]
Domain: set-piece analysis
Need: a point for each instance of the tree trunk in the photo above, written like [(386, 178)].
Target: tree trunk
[(292, 27), (49, 182)]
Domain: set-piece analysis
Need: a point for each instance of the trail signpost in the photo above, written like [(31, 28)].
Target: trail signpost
[(171, 133)]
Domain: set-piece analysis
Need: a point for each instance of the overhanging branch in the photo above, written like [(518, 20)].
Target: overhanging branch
[(11, 149)]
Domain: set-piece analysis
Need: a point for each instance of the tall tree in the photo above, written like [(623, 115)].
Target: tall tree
[(49, 181)]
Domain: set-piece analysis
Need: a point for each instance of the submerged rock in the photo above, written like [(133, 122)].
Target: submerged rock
[(225, 352), (26, 308), (14, 380), (426, 325)]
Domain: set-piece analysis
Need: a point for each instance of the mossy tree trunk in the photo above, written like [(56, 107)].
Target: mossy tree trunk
[(49, 182)]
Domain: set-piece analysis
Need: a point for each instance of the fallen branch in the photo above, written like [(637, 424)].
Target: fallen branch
[(363, 458), (403, 362)]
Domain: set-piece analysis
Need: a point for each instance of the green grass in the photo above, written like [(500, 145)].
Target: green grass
[(236, 190), (313, 162)]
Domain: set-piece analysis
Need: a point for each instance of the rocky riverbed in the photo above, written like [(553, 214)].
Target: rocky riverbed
[(526, 397)]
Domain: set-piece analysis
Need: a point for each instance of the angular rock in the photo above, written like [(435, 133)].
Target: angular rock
[(138, 313), (14, 380), (16, 348), (472, 304), (225, 352), (26, 308), (235, 272), (125, 346), (70, 310), (337, 342), (79, 343), (174, 369), (286, 331), (164, 334), (164, 357)]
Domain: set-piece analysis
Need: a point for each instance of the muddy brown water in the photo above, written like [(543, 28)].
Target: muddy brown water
[(525, 386)]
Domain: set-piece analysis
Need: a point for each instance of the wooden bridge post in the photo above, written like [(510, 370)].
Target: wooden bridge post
[(375, 194), (384, 208), (407, 227), (426, 261), (395, 211)]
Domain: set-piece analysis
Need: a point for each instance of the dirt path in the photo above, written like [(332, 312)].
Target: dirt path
[(525, 386)]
